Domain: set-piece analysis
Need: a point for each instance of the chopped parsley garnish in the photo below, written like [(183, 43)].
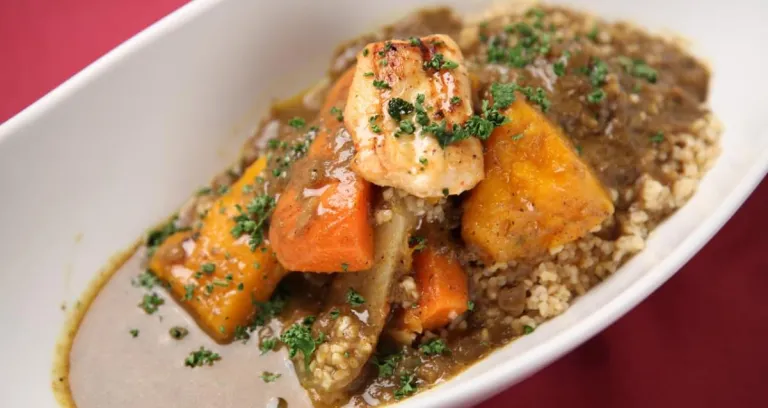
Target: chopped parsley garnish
[(414, 41), (365, 52), (208, 268), (201, 357), (438, 62), (298, 338), (407, 127), (159, 235), (446, 192), (223, 190), (380, 84), (434, 347), (470, 306), (417, 243), (559, 68), (517, 137), (344, 267), (268, 345), (368, 74), (134, 333), (657, 137), (398, 108), (240, 286), (503, 94), (354, 299), (253, 219), (335, 313), (597, 73), (592, 34), (387, 365), (579, 149), (407, 386), (146, 280), (297, 123), (151, 302), (269, 377), (178, 332), (203, 191), (269, 309), (638, 68), (383, 62), (189, 292), (423, 161), (527, 329), (338, 112), (596, 96)]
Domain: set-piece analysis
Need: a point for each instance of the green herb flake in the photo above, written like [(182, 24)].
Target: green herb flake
[(146, 280), (398, 108), (415, 41), (380, 84), (178, 332), (592, 34), (446, 192), (203, 191), (338, 113), (527, 329), (368, 74), (638, 68), (201, 357), (596, 96), (365, 52), (455, 100), (387, 365), (657, 137), (517, 137), (268, 345), (297, 122), (383, 62), (344, 267), (407, 127), (208, 268), (240, 286), (471, 306), (598, 72), (189, 292), (434, 347), (298, 338), (407, 386), (157, 236), (268, 377), (354, 299), (134, 333), (559, 68), (253, 219), (423, 161), (151, 302), (503, 94), (335, 313), (417, 243)]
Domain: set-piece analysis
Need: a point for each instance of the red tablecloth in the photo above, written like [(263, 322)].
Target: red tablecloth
[(700, 341)]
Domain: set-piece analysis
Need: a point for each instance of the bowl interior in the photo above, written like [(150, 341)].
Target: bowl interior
[(119, 147)]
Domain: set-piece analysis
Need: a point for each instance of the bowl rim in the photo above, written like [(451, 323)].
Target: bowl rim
[(504, 374)]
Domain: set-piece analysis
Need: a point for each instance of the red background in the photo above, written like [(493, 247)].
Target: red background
[(699, 341)]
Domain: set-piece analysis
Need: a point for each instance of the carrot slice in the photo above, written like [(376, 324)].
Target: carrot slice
[(443, 286), (215, 275), (322, 224)]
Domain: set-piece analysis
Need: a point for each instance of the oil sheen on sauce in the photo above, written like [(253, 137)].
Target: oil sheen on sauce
[(108, 367)]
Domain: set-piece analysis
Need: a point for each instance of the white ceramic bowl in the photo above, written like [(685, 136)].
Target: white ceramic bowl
[(121, 145)]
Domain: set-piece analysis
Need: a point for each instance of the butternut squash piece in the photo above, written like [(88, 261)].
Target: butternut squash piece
[(537, 193), (443, 287), (212, 273)]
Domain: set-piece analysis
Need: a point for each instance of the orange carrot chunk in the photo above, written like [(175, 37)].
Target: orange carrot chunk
[(321, 221), (443, 287)]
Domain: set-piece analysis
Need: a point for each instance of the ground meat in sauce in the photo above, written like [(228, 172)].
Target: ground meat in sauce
[(631, 104)]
